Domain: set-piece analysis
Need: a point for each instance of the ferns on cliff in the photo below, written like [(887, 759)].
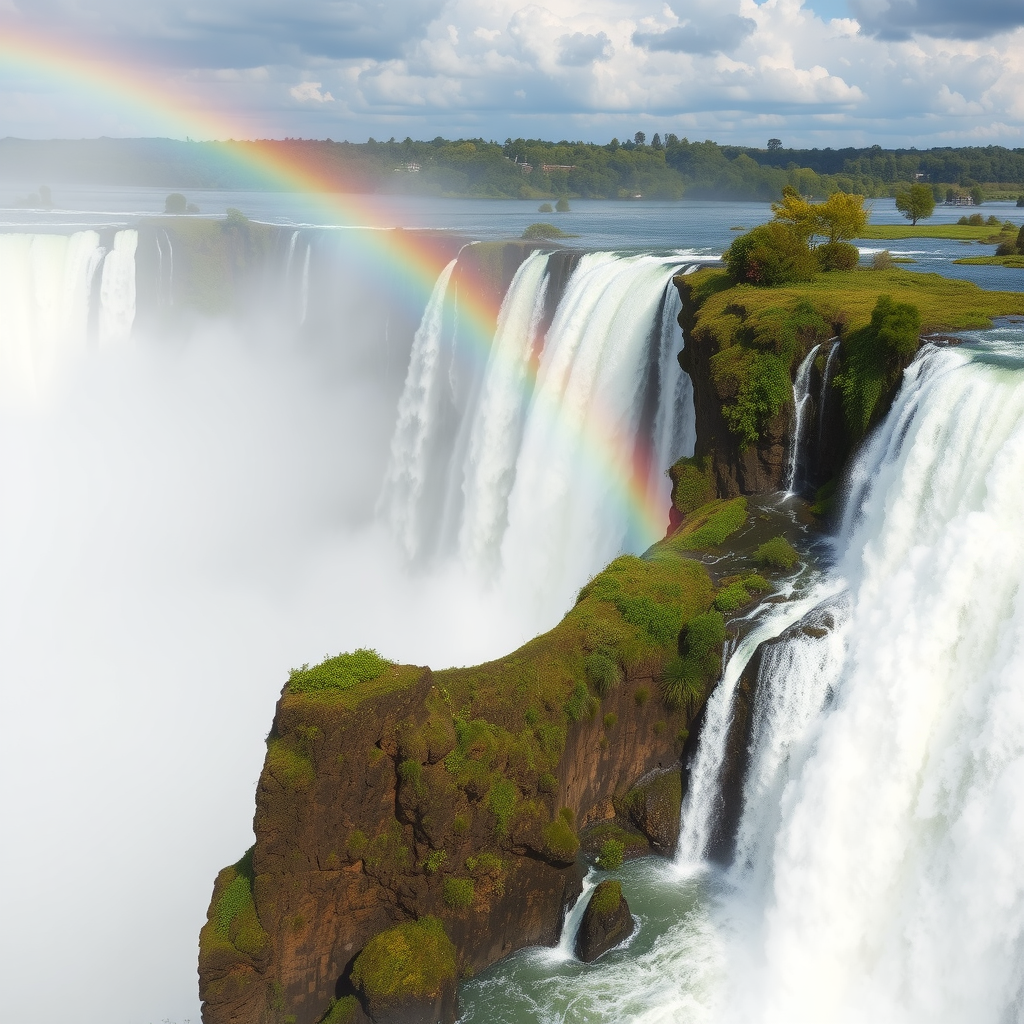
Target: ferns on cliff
[(341, 672)]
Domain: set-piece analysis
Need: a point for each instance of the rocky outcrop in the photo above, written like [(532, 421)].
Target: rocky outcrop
[(453, 802), (606, 923)]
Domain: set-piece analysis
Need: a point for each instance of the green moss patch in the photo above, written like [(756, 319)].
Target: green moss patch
[(413, 960), (234, 920), (710, 526), (341, 1011), (777, 553), (607, 897), (458, 893)]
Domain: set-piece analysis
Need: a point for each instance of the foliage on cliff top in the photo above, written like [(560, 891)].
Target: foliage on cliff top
[(709, 526), (341, 672), (874, 358), (413, 960), (845, 298)]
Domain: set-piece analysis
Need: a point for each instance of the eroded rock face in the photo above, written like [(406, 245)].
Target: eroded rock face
[(606, 922)]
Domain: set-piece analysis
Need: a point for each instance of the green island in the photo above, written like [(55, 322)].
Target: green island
[(415, 826)]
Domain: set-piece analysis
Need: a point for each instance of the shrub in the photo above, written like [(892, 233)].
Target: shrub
[(559, 838), (460, 825), (546, 782), (704, 636), (433, 863), (837, 256), (545, 208), (542, 230), (502, 802), (693, 484), (874, 357), (580, 704), (772, 254), (612, 852), (732, 597), (341, 1011), (413, 960), (976, 220), (458, 893), (338, 673), (641, 696), (777, 552), (603, 671), (175, 203), (611, 720), (882, 260), (562, 206), (1007, 248)]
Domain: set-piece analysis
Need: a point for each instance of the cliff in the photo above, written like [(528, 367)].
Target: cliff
[(744, 344), (413, 827)]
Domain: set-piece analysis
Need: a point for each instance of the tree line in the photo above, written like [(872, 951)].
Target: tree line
[(663, 168)]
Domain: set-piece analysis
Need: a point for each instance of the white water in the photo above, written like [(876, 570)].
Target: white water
[(879, 869), (47, 295), (801, 395), (417, 409), (535, 446)]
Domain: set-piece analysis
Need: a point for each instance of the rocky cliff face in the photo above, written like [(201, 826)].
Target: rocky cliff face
[(454, 803)]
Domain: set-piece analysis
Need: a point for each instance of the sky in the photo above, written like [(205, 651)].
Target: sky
[(810, 72)]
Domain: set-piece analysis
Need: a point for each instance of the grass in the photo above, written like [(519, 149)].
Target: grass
[(413, 960), (341, 672), (710, 526), (777, 553), (850, 297), (458, 893), (987, 233), (1016, 262)]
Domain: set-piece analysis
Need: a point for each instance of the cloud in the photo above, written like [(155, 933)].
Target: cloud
[(946, 19), (717, 34), (580, 49), (307, 92)]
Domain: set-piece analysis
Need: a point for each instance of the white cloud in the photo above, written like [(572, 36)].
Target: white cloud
[(309, 92)]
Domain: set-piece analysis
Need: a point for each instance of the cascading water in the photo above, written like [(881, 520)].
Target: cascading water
[(50, 297), (801, 396), (879, 868), (552, 419)]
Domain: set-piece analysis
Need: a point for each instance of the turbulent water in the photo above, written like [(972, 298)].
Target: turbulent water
[(879, 873)]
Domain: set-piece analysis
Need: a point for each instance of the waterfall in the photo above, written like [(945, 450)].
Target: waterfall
[(801, 395), (498, 421), (48, 301), (879, 858), (417, 412), (826, 380), (568, 514), (304, 295), (524, 462)]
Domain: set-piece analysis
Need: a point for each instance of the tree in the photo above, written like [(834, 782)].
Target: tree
[(175, 203), (841, 217), (797, 212), (916, 203), (562, 206), (775, 143), (656, 141), (639, 138)]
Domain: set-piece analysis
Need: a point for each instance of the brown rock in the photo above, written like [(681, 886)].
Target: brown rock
[(606, 922)]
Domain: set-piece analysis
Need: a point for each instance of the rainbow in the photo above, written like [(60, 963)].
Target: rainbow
[(113, 79)]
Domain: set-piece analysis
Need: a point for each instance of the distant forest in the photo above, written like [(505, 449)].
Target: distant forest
[(668, 168)]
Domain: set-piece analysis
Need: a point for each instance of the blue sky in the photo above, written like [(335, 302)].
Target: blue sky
[(811, 72)]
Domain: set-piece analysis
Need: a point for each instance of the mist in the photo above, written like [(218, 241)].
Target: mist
[(181, 521)]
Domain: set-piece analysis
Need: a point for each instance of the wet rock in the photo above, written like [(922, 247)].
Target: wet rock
[(606, 922)]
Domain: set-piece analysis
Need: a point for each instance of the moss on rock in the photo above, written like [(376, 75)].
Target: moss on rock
[(412, 961)]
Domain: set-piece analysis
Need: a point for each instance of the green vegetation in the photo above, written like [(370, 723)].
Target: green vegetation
[(686, 678), (341, 672), (711, 525), (413, 960), (738, 592), (978, 232), (917, 203), (560, 839), (542, 230), (562, 206), (777, 553), (341, 1011), (693, 484), (874, 357), (458, 893), (607, 897), (545, 208), (502, 803), (1014, 261), (602, 670), (175, 203), (611, 856), (234, 923)]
